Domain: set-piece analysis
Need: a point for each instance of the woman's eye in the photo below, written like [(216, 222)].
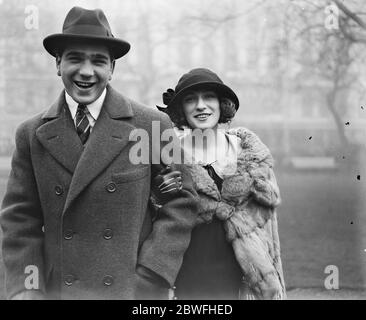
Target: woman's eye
[(188, 99), (210, 96)]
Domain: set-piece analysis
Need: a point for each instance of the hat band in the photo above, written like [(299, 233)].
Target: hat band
[(88, 30)]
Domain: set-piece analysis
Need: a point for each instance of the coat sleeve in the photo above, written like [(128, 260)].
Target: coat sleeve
[(21, 223), (162, 252)]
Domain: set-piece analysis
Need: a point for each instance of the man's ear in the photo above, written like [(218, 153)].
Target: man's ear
[(113, 64), (58, 62)]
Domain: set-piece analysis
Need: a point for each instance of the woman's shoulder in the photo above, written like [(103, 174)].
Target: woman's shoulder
[(182, 132), (247, 137), (250, 143)]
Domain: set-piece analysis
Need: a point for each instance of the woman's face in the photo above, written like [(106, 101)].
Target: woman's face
[(201, 109)]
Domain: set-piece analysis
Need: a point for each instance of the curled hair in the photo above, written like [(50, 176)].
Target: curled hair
[(227, 110), (227, 113)]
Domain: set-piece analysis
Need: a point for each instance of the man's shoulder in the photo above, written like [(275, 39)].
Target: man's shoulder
[(141, 112), (144, 111), (35, 121), (31, 124), (143, 115)]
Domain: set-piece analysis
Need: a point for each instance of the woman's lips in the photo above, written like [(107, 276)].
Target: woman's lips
[(202, 116)]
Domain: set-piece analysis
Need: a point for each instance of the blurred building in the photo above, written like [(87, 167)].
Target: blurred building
[(242, 41)]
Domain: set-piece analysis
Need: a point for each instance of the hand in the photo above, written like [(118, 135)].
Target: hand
[(166, 185), (245, 293)]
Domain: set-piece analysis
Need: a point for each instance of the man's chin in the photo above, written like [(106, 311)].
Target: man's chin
[(85, 99)]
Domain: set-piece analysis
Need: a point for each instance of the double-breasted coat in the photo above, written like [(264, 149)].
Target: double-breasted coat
[(81, 214)]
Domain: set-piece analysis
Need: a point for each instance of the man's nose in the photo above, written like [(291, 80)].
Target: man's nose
[(86, 69)]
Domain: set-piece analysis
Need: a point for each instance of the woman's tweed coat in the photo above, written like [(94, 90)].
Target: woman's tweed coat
[(247, 205)]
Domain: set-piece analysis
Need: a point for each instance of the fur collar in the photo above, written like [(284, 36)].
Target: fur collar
[(253, 149), (253, 153)]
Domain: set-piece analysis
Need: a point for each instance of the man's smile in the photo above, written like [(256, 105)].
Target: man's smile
[(84, 84)]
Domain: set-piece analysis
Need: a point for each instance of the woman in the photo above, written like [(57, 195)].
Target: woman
[(234, 251)]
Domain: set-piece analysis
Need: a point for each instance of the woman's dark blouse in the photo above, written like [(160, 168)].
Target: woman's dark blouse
[(209, 269)]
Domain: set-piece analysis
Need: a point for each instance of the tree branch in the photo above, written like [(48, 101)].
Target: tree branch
[(350, 14)]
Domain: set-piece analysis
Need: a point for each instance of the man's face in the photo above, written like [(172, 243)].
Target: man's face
[(85, 70)]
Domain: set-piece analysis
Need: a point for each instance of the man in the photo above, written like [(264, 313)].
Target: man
[(76, 218)]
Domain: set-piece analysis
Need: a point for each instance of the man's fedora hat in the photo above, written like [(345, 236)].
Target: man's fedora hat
[(84, 25), (199, 78)]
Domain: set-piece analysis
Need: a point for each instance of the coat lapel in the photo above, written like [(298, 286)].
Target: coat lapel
[(58, 135), (107, 139)]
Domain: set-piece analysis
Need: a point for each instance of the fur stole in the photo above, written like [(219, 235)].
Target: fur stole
[(247, 205)]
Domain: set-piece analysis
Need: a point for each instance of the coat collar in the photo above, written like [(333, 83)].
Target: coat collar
[(253, 150), (109, 136), (58, 135)]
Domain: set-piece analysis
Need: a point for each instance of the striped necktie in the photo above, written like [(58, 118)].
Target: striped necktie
[(82, 123)]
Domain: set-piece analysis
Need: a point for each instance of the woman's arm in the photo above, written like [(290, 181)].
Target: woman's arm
[(265, 188)]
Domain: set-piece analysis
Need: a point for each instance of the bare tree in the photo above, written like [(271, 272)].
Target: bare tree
[(333, 52)]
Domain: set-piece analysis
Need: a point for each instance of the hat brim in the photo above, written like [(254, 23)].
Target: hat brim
[(221, 89), (55, 42)]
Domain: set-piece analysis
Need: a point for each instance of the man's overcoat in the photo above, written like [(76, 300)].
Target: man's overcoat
[(81, 214)]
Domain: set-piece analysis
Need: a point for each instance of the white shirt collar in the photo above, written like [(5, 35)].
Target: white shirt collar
[(93, 108)]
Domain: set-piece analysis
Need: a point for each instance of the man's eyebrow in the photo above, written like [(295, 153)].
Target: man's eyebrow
[(94, 56), (100, 56)]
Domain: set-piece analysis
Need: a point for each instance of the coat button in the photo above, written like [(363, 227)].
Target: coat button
[(69, 279), (108, 234), (111, 187), (59, 191), (108, 280), (68, 234)]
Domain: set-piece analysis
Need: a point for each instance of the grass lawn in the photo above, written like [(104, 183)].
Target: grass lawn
[(322, 222), (322, 294)]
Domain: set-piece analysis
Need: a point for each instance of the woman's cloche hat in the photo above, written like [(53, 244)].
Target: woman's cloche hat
[(196, 79), (82, 24)]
